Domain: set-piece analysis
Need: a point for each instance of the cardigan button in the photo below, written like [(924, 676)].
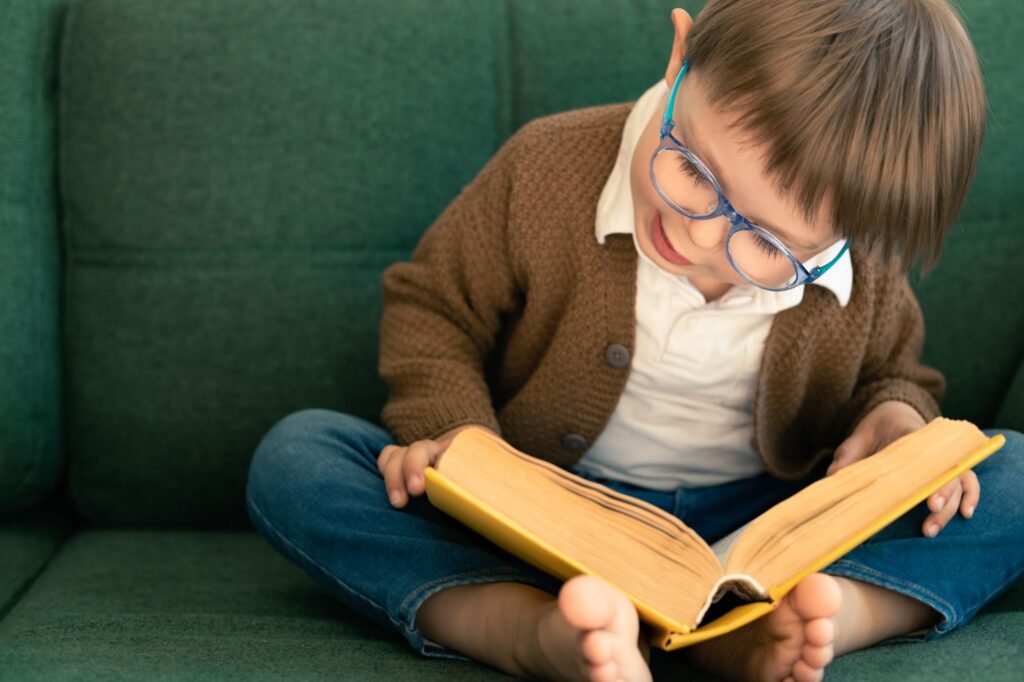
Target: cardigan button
[(574, 443), (616, 355)]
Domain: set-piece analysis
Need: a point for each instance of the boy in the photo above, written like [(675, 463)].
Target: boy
[(585, 298)]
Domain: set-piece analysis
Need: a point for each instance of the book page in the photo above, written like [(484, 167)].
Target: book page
[(724, 545), (823, 518), (557, 520)]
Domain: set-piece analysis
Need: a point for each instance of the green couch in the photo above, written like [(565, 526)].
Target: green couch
[(197, 199)]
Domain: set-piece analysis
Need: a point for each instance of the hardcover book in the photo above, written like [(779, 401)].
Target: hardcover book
[(686, 590)]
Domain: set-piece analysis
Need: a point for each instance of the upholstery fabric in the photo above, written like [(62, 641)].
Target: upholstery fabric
[(237, 175), (28, 539), (31, 431), (135, 604), (1011, 413), (162, 605)]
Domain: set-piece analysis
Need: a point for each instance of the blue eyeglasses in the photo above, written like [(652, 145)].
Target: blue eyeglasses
[(686, 184)]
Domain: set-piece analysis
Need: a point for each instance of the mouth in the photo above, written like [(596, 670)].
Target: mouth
[(662, 244)]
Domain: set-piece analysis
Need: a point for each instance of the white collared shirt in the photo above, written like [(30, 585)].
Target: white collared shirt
[(685, 417)]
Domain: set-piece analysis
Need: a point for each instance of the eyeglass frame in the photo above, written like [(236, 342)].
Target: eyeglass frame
[(737, 222)]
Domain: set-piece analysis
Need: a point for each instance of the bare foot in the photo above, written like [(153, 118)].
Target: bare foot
[(591, 632), (792, 643)]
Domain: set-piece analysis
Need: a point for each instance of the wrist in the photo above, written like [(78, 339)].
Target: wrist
[(449, 435), (898, 407)]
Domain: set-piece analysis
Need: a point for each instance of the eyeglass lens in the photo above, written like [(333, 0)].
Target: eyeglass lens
[(685, 185)]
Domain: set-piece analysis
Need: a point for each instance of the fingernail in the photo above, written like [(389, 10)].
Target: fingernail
[(939, 502), (395, 497), (933, 529), (970, 511)]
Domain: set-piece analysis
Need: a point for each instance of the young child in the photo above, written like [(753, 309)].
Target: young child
[(698, 298)]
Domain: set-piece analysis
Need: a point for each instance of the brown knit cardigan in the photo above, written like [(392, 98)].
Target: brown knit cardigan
[(505, 313)]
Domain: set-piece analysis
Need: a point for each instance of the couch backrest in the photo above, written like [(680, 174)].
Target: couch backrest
[(235, 174), (31, 428)]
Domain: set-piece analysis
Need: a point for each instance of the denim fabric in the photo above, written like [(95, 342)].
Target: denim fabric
[(315, 493)]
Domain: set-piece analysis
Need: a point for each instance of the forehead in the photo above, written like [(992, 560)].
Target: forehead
[(738, 160)]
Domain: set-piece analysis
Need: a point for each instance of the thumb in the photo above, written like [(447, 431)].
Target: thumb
[(849, 451)]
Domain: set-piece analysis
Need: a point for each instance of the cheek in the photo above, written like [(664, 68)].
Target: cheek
[(637, 177), (643, 192), (640, 177)]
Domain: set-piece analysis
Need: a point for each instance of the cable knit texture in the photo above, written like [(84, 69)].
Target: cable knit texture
[(504, 312)]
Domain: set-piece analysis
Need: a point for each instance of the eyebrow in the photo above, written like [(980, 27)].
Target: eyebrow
[(713, 167)]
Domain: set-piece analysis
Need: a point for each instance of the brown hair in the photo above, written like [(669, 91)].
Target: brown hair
[(875, 105)]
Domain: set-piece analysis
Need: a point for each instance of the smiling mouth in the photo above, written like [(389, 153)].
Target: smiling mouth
[(662, 244)]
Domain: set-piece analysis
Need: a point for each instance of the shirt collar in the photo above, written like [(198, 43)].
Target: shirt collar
[(615, 213)]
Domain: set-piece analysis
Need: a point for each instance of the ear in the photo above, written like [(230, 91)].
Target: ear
[(682, 23)]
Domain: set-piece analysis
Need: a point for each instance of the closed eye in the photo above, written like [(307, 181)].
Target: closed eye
[(688, 168)]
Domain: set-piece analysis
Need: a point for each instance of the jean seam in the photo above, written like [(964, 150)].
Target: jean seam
[(298, 550), (950, 611)]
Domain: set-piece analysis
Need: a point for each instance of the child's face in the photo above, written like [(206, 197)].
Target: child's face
[(696, 248)]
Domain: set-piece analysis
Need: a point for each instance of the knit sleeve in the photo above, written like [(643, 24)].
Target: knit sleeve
[(892, 369), (443, 309)]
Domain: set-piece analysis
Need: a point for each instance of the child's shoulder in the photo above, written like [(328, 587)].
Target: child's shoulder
[(596, 123)]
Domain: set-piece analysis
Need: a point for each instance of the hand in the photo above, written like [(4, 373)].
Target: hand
[(403, 467), (888, 422)]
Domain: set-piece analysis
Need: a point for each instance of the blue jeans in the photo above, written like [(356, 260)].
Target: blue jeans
[(315, 493)]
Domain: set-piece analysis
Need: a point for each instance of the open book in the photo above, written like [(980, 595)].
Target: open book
[(686, 590)]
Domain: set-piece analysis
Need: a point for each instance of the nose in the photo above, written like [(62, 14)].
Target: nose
[(708, 234)]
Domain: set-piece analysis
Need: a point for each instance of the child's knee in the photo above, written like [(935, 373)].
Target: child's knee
[(301, 448), (1001, 477), (1009, 459)]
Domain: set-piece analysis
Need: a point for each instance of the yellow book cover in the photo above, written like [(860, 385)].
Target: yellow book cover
[(686, 590)]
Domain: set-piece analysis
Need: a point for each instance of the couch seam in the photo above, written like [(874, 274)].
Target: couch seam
[(25, 587)]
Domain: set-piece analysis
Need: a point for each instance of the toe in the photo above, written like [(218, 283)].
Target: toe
[(597, 647), (817, 656), (817, 596), (805, 673), (819, 632), (606, 672), (584, 603)]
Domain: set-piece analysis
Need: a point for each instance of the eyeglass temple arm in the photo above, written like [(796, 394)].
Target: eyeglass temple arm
[(665, 121), (820, 270)]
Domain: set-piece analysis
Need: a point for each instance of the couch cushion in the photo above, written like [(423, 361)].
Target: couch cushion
[(30, 391), (1011, 412), (132, 604), (28, 539), (197, 606), (237, 174)]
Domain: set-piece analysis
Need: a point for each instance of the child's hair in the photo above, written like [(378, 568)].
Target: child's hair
[(875, 105)]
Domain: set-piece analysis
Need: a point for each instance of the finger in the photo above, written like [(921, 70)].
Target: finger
[(849, 451), (421, 453), (385, 455), (972, 494), (394, 483), (936, 522), (937, 501)]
